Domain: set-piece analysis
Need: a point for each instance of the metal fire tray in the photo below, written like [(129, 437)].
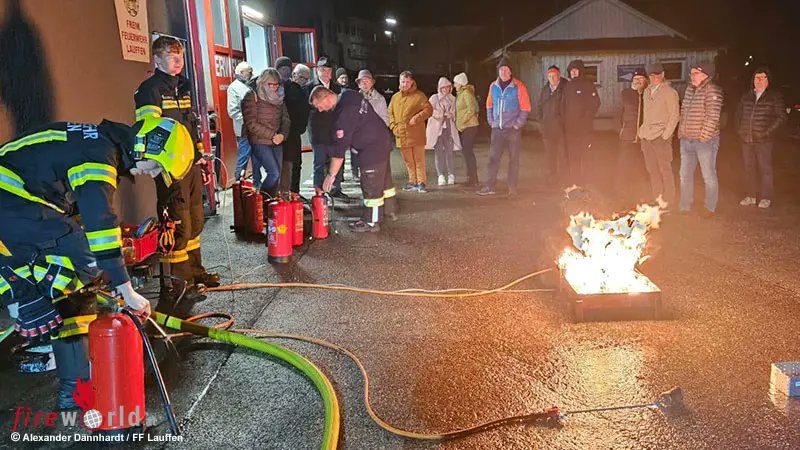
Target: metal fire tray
[(611, 306)]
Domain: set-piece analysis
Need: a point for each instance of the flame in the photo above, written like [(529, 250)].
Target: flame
[(606, 253), (83, 395)]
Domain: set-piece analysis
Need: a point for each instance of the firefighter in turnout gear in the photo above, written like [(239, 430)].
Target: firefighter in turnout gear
[(359, 127), (48, 176), (168, 94)]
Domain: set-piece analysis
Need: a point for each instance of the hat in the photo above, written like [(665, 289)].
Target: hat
[(323, 61), (639, 72), (461, 79), (504, 62), (283, 61), (707, 68), (364, 73), (553, 69), (341, 71), (653, 68)]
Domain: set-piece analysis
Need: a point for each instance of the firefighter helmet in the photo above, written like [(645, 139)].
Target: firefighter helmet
[(167, 142)]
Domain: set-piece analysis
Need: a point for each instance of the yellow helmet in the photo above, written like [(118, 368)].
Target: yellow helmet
[(169, 143)]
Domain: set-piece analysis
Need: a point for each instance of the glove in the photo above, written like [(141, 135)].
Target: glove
[(134, 301), (37, 318)]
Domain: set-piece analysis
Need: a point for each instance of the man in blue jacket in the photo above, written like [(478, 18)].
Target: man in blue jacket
[(507, 109)]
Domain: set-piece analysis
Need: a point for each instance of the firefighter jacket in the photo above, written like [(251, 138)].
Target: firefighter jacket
[(164, 95), (70, 168), (360, 127)]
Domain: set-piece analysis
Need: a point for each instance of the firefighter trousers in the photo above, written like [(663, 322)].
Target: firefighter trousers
[(380, 196), (184, 203)]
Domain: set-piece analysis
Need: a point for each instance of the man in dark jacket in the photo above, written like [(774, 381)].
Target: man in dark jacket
[(168, 94), (581, 103), (296, 100), (758, 117), (358, 126), (320, 124), (629, 159), (550, 115)]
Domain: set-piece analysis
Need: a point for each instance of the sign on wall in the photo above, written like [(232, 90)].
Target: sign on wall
[(133, 34), (625, 71)]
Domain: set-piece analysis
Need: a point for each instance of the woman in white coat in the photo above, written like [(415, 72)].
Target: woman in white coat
[(441, 133)]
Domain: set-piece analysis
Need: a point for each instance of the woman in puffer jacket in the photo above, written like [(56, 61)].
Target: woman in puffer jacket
[(441, 133), (266, 122)]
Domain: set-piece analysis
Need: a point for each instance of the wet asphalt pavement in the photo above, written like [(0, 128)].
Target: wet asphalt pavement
[(731, 308)]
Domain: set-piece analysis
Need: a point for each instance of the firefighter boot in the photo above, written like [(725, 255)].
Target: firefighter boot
[(72, 363)]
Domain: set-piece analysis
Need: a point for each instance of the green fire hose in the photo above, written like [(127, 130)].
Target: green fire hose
[(330, 437)]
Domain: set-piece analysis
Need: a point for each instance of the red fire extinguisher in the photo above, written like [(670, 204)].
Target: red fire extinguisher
[(238, 211), (117, 371), (297, 214), (319, 213), (254, 212), (279, 231)]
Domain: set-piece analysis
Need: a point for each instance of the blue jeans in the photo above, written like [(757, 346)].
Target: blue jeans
[(244, 152), (501, 140), (322, 155), (271, 159), (692, 152)]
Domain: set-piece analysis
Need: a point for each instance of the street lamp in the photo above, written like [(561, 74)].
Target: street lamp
[(388, 33), (391, 21)]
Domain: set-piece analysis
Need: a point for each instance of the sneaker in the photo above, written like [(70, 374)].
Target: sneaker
[(421, 188), (362, 226), (513, 193), (410, 187), (442, 180), (764, 203), (748, 201), (706, 214), (451, 179), (486, 190), (341, 196)]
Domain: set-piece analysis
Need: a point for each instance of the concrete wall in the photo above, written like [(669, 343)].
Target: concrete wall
[(531, 69), (90, 81)]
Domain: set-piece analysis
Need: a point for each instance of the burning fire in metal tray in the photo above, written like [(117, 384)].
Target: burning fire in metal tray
[(607, 253)]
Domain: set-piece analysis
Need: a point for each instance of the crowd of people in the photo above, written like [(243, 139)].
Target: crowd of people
[(272, 112)]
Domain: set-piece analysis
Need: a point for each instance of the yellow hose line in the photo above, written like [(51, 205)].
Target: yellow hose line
[(404, 293)]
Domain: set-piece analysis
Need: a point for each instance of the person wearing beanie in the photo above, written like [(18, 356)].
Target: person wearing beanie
[(320, 127), (467, 124), (236, 92), (267, 124), (699, 135), (759, 116), (550, 115), (342, 78), (296, 100), (408, 111), (507, 109), (581, 103), (441, 133)]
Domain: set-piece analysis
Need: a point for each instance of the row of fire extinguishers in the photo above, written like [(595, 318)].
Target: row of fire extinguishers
[(284, 216)]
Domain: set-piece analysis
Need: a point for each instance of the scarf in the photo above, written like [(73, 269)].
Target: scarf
[(273, 97)]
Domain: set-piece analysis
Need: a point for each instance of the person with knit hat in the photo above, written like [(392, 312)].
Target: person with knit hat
[(342, 78), (441, 133), (507, 109), (581, 102), (699, 135), (296, 100), (467, 125), (550, 115)]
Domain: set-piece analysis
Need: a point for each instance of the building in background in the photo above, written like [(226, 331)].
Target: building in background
[(613, 39)]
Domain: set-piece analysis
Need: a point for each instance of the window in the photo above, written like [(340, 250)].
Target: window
[(592, 71), (298, 45), (220, 30), (674, 69), (236, 25)]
